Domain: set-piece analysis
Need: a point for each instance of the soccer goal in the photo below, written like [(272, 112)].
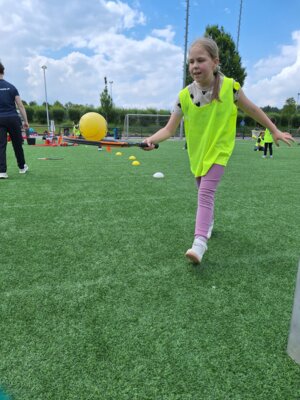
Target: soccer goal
[(143, 125)]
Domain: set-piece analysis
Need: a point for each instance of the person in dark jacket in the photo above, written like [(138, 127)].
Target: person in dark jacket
[(10, 122)]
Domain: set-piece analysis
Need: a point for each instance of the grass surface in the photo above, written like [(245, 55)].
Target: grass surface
[(98, 301)]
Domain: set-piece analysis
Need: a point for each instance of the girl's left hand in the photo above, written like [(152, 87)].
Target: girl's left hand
[(284, 136)]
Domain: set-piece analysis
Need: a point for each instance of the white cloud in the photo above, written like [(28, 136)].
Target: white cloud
[(167, 33), (128, 16), (80, 43), (277, 77)]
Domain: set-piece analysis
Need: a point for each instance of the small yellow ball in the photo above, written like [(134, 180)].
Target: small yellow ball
[(119, 153), (135, 163)]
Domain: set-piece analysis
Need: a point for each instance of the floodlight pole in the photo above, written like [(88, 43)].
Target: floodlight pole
[(44, 67), (187, 11), (297, 102), (185, 42), (239, 25)]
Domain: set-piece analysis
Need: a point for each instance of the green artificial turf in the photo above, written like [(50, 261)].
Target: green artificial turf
[(99, 302)]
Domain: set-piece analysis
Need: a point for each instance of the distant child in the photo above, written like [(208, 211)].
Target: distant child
[(76, 131), (268, 140), (209, 107), (260, 143)]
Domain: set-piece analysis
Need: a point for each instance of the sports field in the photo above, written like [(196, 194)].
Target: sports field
[(98, 301)]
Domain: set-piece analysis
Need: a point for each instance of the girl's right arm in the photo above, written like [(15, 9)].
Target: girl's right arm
[(164, 133)]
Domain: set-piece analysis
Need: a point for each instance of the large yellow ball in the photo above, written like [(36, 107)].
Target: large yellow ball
[(93, 126)]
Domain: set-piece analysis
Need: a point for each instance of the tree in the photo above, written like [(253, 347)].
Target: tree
[(106, 101), (58, 113), (74, 114), (230, 60), (289, 109), (58, 104), (269, 109), (40, 114), (30, 113), (296, 121)]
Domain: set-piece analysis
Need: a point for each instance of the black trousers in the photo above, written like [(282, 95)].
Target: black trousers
[(270, 148), (11, 125)]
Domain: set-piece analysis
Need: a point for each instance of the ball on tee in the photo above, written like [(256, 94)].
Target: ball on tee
[(158, 175)]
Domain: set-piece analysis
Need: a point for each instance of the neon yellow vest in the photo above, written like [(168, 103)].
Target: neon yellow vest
[(76, 131), (210, 130), (261, 143), (268, 136)]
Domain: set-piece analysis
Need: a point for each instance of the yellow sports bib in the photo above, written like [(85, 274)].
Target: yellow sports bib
[(268, 138), (261, 143), (210, 130)]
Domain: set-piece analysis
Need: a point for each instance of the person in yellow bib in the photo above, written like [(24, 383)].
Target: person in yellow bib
[(268, 140), (76, 131), (209, 107), (260, 143)]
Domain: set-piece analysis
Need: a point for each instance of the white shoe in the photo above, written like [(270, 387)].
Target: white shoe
[(24, 170), (3, 175), (196, 253), (210, 229), (264, 156)]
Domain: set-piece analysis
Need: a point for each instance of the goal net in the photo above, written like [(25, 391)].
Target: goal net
[(144, 125)]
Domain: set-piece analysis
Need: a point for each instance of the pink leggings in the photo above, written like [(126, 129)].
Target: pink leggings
[(207, 186)]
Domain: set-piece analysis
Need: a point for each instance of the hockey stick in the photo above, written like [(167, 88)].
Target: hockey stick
[(117, 143), (50, 158)]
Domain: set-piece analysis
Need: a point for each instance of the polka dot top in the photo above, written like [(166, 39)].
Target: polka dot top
[(200, 96)]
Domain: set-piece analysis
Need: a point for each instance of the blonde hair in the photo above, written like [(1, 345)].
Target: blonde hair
[(211, 47)]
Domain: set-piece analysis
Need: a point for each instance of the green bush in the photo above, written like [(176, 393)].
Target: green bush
[(30, 113), (58, 114), (74, 114), (296, 121), (40, 114), (275, 116), (86, 109), (284, 121)]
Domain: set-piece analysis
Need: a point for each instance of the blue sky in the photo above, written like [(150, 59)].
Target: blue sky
[(138, 45)]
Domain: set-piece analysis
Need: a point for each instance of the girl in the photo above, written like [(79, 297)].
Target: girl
[(209, 106), (268, 140), (260, 144)]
